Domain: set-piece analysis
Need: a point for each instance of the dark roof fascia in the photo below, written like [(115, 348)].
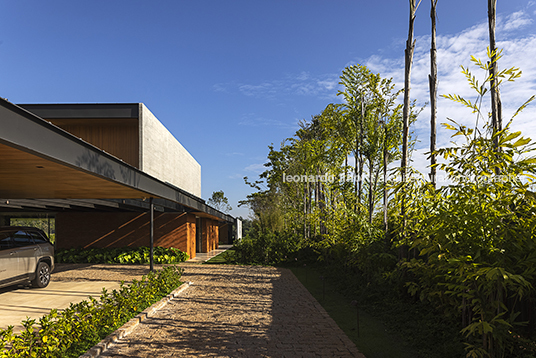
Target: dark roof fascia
[(83, 110), (39, 137)]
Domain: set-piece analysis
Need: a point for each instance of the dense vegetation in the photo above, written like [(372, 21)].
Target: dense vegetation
[(465, 250), (121, 255), (71, 332)]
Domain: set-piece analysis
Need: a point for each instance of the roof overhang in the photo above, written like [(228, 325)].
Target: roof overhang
[(42, 161)]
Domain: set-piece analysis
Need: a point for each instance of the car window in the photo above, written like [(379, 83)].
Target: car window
[(21, 238), (37, 237), (5, 240)]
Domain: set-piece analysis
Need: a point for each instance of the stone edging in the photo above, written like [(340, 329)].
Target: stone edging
[(128, 327)]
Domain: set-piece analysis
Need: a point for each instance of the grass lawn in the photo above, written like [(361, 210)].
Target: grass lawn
[(221, 258)]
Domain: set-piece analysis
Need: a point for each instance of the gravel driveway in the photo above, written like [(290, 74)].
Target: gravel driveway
[(238, 311), (228, 311)]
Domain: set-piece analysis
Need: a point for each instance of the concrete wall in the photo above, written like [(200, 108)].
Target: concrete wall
[(162, 156), (238, 229), (85, 230)]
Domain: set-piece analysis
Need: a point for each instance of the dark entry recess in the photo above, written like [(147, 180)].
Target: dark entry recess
[(198, 234)]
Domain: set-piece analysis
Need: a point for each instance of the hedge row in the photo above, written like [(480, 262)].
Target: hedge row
[(121, 255), (72, 332)]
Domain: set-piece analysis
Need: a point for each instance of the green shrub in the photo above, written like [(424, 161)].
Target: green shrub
[(72, 332), (266, 247), (473, 241), (123, 255)]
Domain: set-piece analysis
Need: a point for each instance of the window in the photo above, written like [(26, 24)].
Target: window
[(21, 239), (5, 241), (37, 237)]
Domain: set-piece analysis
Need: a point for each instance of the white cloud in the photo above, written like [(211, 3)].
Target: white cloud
[(302, 84), (257, 168), (265, 89), (303, 76), (252, 120), (219, 87), (516, 20), (236, 176)]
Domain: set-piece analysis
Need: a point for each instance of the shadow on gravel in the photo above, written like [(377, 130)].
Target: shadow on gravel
[(300, 326), (99, 272), (237, 311), (226, 312), (69, 267)]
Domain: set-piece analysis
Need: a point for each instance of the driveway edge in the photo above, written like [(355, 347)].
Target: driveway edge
[(128, 327)]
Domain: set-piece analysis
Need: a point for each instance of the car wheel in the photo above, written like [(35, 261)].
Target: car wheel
[(42, 275)]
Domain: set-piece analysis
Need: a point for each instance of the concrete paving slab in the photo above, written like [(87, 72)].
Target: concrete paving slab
[(201, 257), (18, 303)]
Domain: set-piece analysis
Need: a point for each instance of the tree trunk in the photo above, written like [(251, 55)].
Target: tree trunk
[(410, 47), (496, 110), (357, 186), (375, 187), (357, 182), (308, 209), (433, 94), (344, 192), (322, 202), (361, 161), (371, 198), (385, 222), (305, 210), (345, 167)]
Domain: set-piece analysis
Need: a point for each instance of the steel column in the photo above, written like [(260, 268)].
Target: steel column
[(152, 233)]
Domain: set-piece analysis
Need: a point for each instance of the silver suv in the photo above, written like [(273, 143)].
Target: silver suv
[(26, 256)]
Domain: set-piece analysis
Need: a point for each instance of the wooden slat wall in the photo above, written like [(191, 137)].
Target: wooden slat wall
[(89, 230), (117, 137)]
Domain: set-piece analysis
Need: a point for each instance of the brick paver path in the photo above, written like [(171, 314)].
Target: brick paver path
[(238, 311)]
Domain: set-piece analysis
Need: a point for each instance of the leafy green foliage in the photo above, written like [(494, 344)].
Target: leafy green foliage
[(219, 201), (266, 247), (468, 249), (71, 332), (46, 224), (122, 255), (473, 240)]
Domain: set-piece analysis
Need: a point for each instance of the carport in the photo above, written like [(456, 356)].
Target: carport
[(45, 169)]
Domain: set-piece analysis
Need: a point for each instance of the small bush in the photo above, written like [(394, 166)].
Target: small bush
[(71, 332), (266, 247), (122, 255)]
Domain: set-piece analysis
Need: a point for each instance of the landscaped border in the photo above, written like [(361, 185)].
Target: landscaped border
[(128, 327)]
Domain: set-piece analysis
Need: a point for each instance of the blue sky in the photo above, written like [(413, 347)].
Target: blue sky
[(228, 78)]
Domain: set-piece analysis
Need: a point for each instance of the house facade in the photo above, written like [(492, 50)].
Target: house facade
[(102, 166)]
